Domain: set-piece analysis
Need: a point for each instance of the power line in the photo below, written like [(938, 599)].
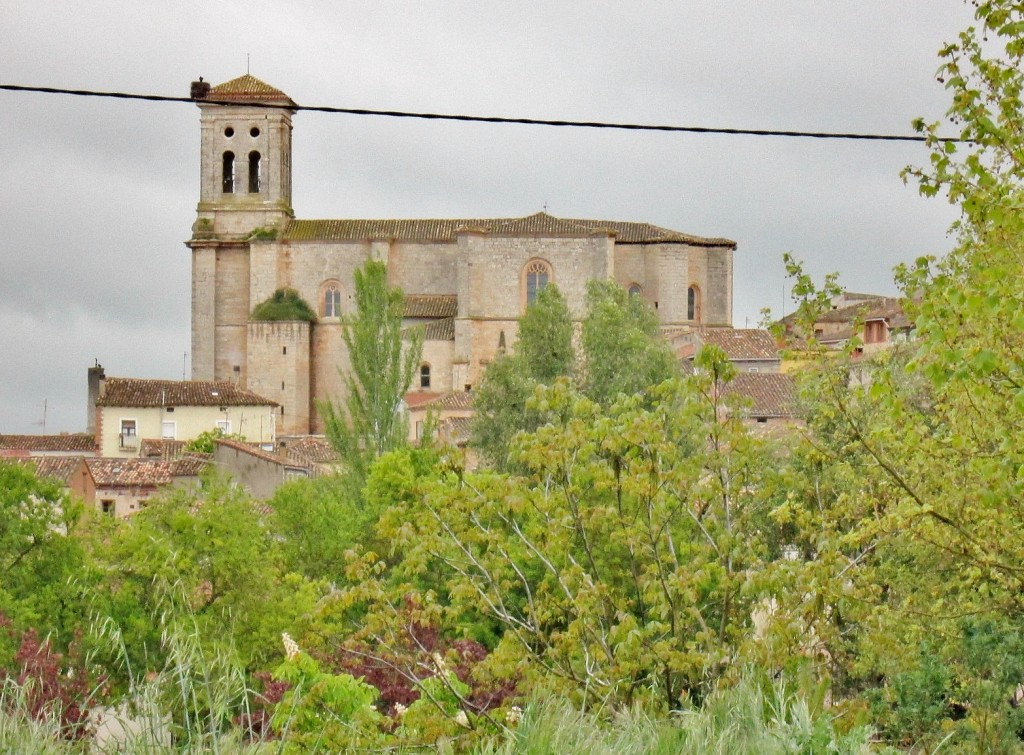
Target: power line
[(487, 118)]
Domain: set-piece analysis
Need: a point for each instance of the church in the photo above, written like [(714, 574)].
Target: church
[(466, 280)]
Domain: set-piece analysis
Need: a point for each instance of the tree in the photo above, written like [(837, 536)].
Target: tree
[(382, 361), (911, 501), (623, 563), (38, 555), (543, 352), (623, 351)]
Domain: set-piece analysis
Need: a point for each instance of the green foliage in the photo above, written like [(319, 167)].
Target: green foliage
[(211, 559), (623, 351), (317, 521), (622, 566), (324, 712), (37, 556), (623, 354), (382, 361), (205, 442), (545, 337), (283, 304)]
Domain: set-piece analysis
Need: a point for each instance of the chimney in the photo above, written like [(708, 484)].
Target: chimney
[(199, 89), (96, 378)]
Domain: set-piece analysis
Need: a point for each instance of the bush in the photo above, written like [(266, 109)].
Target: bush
[(284, 304)]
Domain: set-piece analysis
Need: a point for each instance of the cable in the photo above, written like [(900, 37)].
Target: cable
[(486, 118)]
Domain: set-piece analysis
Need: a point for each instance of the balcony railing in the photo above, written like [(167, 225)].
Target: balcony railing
[(129, 441)]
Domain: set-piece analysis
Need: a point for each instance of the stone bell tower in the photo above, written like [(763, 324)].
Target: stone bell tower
[(245, 193)]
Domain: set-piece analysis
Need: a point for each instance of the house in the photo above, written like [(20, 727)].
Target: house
[(70, 472), (123, 486), (749, 349), (445, 408), (129, 411), (65, 444), (467, 281), (258, 471)]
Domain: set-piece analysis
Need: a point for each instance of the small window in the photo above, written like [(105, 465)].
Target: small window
[(128, 438), (635, 290), (107, 507), (425, 376), (693, 304), (168, 430), (254, 173), (332, 300), (224, 425), (538, 275), (229, 172), (284, 350), (501, 342)]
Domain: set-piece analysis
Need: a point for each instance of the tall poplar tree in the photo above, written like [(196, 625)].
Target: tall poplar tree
[(382, 360)]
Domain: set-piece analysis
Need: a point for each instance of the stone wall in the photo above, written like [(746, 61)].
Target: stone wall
[(281, 354)]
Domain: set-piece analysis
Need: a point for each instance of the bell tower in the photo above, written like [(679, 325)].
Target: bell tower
[(246, 157), (245, 197)]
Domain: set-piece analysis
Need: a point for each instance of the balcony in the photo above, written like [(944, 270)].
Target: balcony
[(128, 442)]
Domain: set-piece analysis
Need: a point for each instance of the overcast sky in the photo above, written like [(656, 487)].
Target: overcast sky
[(97, 196)]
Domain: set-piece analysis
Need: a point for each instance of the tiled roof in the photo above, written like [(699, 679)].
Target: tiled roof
[(161, 448), (741, 344), (415, 399), (457, 400), (251, 449), (138, 392), (130, 473), (439, 229), (455, 430), (191, 465), (440, 330), (311, 449), (772, 393), (57, 468), (247, 88), (66, 442), (431, 305)]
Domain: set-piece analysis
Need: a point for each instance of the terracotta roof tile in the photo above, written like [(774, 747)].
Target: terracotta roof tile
[(66, 442), (56, 468), (772, 394), (311, 449), (439, 229), (431, 305), (248, 88), (130, 473), (137, 392), (455, 430), (161, 448), (741, 344), (252, 449), (457, 400)]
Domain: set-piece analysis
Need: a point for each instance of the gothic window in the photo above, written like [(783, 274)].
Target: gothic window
[(635, 289), (693, 304), (254, 172), (331, 300), (537, 276), (424, 376), (229, 172)]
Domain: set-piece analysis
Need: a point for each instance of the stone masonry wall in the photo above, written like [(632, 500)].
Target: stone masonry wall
[(280, 351)]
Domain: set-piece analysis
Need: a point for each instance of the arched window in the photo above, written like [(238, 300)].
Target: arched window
[(229, 172), (693, 304), (424, 376), (254, 172), (635, 289), (331, 299), (537, 276)]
